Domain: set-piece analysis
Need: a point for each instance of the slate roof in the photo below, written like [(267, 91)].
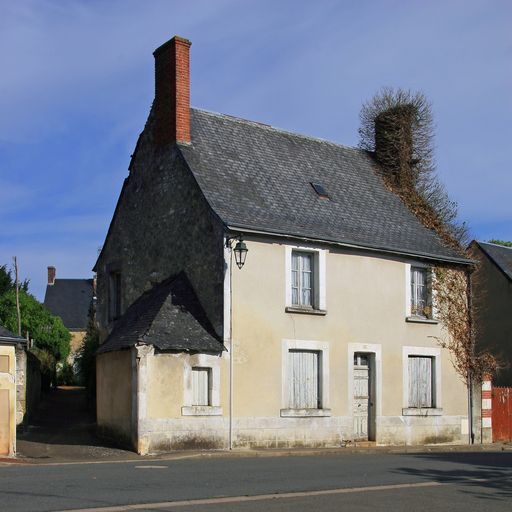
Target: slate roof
[(70, 299), (256, 177), (7, 336), (170, 317), (500, 255)]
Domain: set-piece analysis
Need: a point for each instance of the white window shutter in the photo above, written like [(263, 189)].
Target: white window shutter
[(200, 386), (303, 379)]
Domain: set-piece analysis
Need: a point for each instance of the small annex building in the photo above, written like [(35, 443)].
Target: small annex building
[(261, 288), (11, 377)]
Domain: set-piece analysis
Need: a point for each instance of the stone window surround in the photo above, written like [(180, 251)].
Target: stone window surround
[(204, 361), (409, 317), (319, 280), (318, 346), (435, 353)]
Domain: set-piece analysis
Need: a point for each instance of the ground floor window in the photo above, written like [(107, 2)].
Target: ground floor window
[(421, 382), (201, 386), (304, 383)]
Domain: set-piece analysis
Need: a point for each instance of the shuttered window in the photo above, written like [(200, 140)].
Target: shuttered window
[(420, 291), (304, 384), (114, 299), (201, 378), (302, 279), (421, 381)]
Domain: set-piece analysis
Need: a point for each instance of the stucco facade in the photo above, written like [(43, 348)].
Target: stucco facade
[(366, 306), (7, 400)]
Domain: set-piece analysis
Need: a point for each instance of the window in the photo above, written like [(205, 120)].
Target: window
[(114, 297), (304, 385), (421, 292), (4, 364), (305, 291), (302, 279), (201, 386), (421, 382)]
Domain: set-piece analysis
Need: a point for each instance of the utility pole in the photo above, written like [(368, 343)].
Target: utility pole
[(17, 294)]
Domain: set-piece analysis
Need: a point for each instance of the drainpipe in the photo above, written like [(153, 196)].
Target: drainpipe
[(471, 435), (231, 387)]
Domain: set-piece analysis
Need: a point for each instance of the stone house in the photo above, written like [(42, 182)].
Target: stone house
[(324, 336), (492, 296), (71, 300)]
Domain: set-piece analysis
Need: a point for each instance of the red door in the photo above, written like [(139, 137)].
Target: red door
[(501, 414)]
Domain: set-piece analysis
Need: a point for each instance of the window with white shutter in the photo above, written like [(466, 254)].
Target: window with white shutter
[(421, 382), (201, 386), (302, 279), (304, 384), (421, 292)]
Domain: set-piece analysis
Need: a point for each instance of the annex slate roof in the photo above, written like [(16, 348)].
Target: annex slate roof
[(258, 177), (500, 255), (9, 337), (70, 299), (170, 317)]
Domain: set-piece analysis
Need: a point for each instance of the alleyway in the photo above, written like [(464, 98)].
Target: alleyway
[(63, 429)]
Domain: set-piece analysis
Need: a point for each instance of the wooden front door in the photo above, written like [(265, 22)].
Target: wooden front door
[(362, 395)]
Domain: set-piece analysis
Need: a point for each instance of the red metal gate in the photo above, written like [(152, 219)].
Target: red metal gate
[(501, 414)]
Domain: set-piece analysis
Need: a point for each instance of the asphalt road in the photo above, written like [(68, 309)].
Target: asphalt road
[(350, 482)]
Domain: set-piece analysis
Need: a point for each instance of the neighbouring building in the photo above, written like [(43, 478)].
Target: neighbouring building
[(11, 388), (492, 296), (325, 335), (71, 300)]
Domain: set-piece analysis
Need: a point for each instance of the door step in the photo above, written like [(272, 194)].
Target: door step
[(363, 444)]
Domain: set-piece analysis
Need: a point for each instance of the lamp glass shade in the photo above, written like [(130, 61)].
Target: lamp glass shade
[(240, 253)]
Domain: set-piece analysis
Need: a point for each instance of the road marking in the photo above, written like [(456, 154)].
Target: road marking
[(258, 497), (151, 467)]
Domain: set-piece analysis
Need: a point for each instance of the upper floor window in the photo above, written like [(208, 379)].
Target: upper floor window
[(421, 292), (303, 279), (114, 295)]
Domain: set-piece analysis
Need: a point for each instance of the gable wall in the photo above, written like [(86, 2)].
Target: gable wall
[(492, 294), (163, 225)]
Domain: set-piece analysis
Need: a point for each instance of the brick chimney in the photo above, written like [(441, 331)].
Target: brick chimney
[(52, 272), (172, 92), (394, 144)]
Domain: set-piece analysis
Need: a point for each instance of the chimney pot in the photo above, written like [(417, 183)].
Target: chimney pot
[(172, 92), (52, 272)]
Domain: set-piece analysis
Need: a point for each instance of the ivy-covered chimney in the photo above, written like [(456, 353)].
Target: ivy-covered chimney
[(172, 92), (394, 144)]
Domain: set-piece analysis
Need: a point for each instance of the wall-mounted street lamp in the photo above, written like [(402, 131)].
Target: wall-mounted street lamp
[(240, 249)]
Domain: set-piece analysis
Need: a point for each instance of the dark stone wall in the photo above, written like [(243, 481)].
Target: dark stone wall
[(162, 225)]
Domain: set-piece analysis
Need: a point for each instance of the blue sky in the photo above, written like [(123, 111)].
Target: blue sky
[(77, 83)]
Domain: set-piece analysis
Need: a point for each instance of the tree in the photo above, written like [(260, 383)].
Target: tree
[(505, 243), (48, 331), (86, 358)]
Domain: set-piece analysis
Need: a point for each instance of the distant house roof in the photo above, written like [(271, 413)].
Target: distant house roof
[(259, 178), (500, 255), (7, 337), (70, 299), (170, 317)]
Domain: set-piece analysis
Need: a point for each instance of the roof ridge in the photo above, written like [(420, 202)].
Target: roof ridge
[(495, 245), (271, 128)]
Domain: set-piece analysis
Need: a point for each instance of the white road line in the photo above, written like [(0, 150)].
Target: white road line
[(151, 467), (259, 497)]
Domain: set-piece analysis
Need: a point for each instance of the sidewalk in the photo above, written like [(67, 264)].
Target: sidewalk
[(63, 432)]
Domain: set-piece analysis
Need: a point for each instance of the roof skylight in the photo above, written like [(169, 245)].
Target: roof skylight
[(320, 190)]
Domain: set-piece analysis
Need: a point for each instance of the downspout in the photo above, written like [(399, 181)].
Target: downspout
[(471, 435), (231, 387)]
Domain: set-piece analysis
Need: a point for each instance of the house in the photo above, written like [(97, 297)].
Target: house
[(492, 296), (11, 387), (71, 300), (260, 288)]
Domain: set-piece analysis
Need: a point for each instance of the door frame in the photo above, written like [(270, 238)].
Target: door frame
[(374, 350)]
